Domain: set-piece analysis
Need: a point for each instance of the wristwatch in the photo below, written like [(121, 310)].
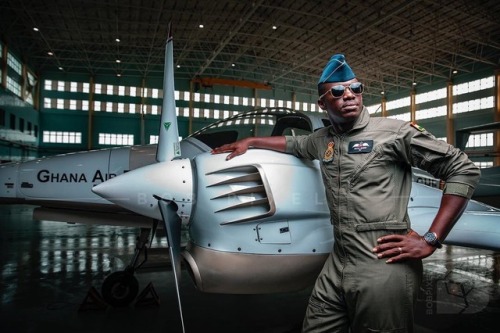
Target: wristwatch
[(431, 239)]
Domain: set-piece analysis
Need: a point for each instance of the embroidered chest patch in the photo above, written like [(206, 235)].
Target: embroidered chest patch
[(360, 147)]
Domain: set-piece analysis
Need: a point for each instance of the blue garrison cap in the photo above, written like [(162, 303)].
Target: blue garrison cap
[(336, 70)]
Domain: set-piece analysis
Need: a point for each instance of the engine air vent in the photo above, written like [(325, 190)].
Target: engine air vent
[(242, 193)]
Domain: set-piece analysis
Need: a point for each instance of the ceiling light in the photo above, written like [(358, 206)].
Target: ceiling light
[(50, 53), (233, 64), (60, 68), (382, 93), (118, 61), (455, 71), (414, 83), (117, 40), (118, 74), (178, 66), (35, 29), (275, 27), (201, 26)]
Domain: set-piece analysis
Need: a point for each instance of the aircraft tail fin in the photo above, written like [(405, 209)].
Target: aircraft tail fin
[(168, 141)]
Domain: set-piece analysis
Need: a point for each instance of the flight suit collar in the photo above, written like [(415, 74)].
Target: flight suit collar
[(361, 122)]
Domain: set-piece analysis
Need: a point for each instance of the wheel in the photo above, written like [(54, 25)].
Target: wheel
[(120, 289)]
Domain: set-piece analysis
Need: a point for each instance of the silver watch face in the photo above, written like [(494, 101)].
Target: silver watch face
[(430, 238)]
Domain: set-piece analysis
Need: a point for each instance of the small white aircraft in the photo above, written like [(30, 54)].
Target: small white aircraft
[(488, 189), (258, 223)]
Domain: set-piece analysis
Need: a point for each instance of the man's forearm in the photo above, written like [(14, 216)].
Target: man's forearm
[(450, 210), (277, 143)]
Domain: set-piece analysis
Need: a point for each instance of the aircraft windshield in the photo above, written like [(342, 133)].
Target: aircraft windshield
[(261, 122)]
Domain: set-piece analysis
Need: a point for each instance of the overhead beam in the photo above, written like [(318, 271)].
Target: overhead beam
[(210, 82)]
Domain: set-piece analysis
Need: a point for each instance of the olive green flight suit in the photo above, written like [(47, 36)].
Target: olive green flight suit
[(367, 177)]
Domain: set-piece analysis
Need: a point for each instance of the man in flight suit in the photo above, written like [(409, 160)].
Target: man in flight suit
[(369, 283)]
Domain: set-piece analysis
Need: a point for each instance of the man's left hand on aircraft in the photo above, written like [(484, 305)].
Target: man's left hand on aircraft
[(403, 247)]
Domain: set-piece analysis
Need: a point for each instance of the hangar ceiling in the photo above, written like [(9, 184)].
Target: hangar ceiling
[(389, 43)]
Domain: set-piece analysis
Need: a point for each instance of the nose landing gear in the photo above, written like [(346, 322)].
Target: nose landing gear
[(119, 289)]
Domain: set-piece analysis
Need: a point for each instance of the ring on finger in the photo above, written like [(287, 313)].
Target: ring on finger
[(400, 250)]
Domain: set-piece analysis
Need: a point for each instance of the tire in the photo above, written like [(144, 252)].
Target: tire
[(119, 289)]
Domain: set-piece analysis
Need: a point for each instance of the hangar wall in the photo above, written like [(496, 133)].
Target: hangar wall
[(86, 107)]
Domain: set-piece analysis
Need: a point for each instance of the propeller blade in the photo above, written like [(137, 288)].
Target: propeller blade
[(172, 223)]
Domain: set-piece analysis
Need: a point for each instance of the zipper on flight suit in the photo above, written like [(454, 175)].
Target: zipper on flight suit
[(339, 180)]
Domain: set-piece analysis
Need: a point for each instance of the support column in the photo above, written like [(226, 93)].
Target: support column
[(90, 130), (496, 134), (36, 92), (383, 105), (413, 106), (450, 117), (191, 109), (24, 85), (4, 66), (143, 103)]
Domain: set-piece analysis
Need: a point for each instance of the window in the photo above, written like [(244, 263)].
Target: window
[(473, 105), (480, 140), (372, 109), (48, 85), (156, 109), (480, 84), (398, 103), (60, 85), (154, 93), (431, 112), (402, 116), (13, 86), (116, 139), (61, 137), (484, 164), (98, 88), (430, 96), (153, 138), (13, 63)]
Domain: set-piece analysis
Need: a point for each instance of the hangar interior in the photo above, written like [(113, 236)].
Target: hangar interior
[(81, 75)]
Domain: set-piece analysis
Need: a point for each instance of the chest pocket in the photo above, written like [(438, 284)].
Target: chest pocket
[(372, 167)]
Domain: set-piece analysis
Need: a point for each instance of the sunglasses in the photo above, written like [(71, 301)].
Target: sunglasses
[(339, 90)]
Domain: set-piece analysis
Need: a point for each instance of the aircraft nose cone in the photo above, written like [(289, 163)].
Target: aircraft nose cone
[(138, 190)]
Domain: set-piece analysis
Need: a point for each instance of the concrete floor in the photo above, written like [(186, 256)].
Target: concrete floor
[(47, 269)]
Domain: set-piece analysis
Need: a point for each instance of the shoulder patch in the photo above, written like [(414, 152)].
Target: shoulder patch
[(417, 127), (328, 157)]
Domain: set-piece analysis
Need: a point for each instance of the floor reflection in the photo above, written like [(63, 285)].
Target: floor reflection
[(46, 269)]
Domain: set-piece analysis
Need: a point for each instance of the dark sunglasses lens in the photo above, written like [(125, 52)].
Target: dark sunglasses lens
[(357, 87), (338, 91)]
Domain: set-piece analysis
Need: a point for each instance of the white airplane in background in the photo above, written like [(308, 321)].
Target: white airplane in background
[(488, 189), (258, 223)]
